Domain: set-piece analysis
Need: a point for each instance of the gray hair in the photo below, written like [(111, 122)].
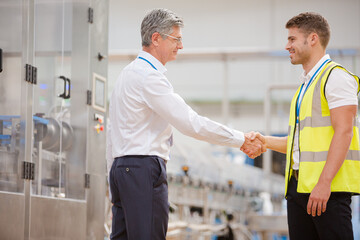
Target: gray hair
[(158, 20)]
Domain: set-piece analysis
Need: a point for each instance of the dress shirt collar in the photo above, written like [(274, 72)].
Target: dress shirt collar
[(305, 78), (159, 66)]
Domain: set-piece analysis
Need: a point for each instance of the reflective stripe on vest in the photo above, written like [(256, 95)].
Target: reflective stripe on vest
[(315, 135), (320, 156)]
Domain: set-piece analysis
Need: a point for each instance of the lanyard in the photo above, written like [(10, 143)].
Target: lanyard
[(299, 100), (148, 62)]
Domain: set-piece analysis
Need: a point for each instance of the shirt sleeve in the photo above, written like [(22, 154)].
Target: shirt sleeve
[(159, 96), (341, 89)]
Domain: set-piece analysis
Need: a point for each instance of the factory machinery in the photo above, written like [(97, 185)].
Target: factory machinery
[(212, 187), (53, 71)]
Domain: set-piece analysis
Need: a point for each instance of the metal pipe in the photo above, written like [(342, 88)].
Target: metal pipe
[(267, 164), (208, 53), (225, 100)]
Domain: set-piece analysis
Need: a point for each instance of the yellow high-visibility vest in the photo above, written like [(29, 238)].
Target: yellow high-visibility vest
[(315, 136)]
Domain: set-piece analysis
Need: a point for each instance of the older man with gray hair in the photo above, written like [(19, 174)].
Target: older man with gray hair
[(143, 109)]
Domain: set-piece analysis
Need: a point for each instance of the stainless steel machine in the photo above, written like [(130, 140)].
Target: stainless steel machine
[(53, 71)]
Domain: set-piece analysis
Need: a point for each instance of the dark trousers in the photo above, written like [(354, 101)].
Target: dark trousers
[(140, 198), (334, 223)]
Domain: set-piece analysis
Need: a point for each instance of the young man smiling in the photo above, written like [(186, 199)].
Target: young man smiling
[(322, 147)]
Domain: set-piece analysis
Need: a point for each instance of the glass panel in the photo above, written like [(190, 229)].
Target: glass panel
[(53, 131), (10, 95)]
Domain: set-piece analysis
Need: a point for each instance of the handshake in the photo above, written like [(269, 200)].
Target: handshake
[(254, 144)]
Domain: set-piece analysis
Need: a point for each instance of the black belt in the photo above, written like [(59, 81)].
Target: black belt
[(295, 173)]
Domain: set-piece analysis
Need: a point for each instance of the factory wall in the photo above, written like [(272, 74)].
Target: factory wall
[(245, 26)]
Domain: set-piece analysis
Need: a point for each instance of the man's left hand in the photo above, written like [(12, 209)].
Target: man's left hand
[(318, 199)]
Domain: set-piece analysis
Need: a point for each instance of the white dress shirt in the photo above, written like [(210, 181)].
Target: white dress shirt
[(341, 90), (143, 106)]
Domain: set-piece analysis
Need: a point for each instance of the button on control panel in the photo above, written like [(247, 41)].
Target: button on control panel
[(99, 127)]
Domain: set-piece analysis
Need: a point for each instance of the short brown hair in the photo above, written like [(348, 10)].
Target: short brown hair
[(310, 22)]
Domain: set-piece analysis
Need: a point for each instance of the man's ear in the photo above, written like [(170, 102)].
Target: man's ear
[(155, 38), (313, 38)]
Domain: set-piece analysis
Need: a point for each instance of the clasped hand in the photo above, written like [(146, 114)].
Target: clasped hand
[(254, 144)]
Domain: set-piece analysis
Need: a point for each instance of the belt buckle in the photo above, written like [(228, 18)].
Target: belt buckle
[(296, 174)]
